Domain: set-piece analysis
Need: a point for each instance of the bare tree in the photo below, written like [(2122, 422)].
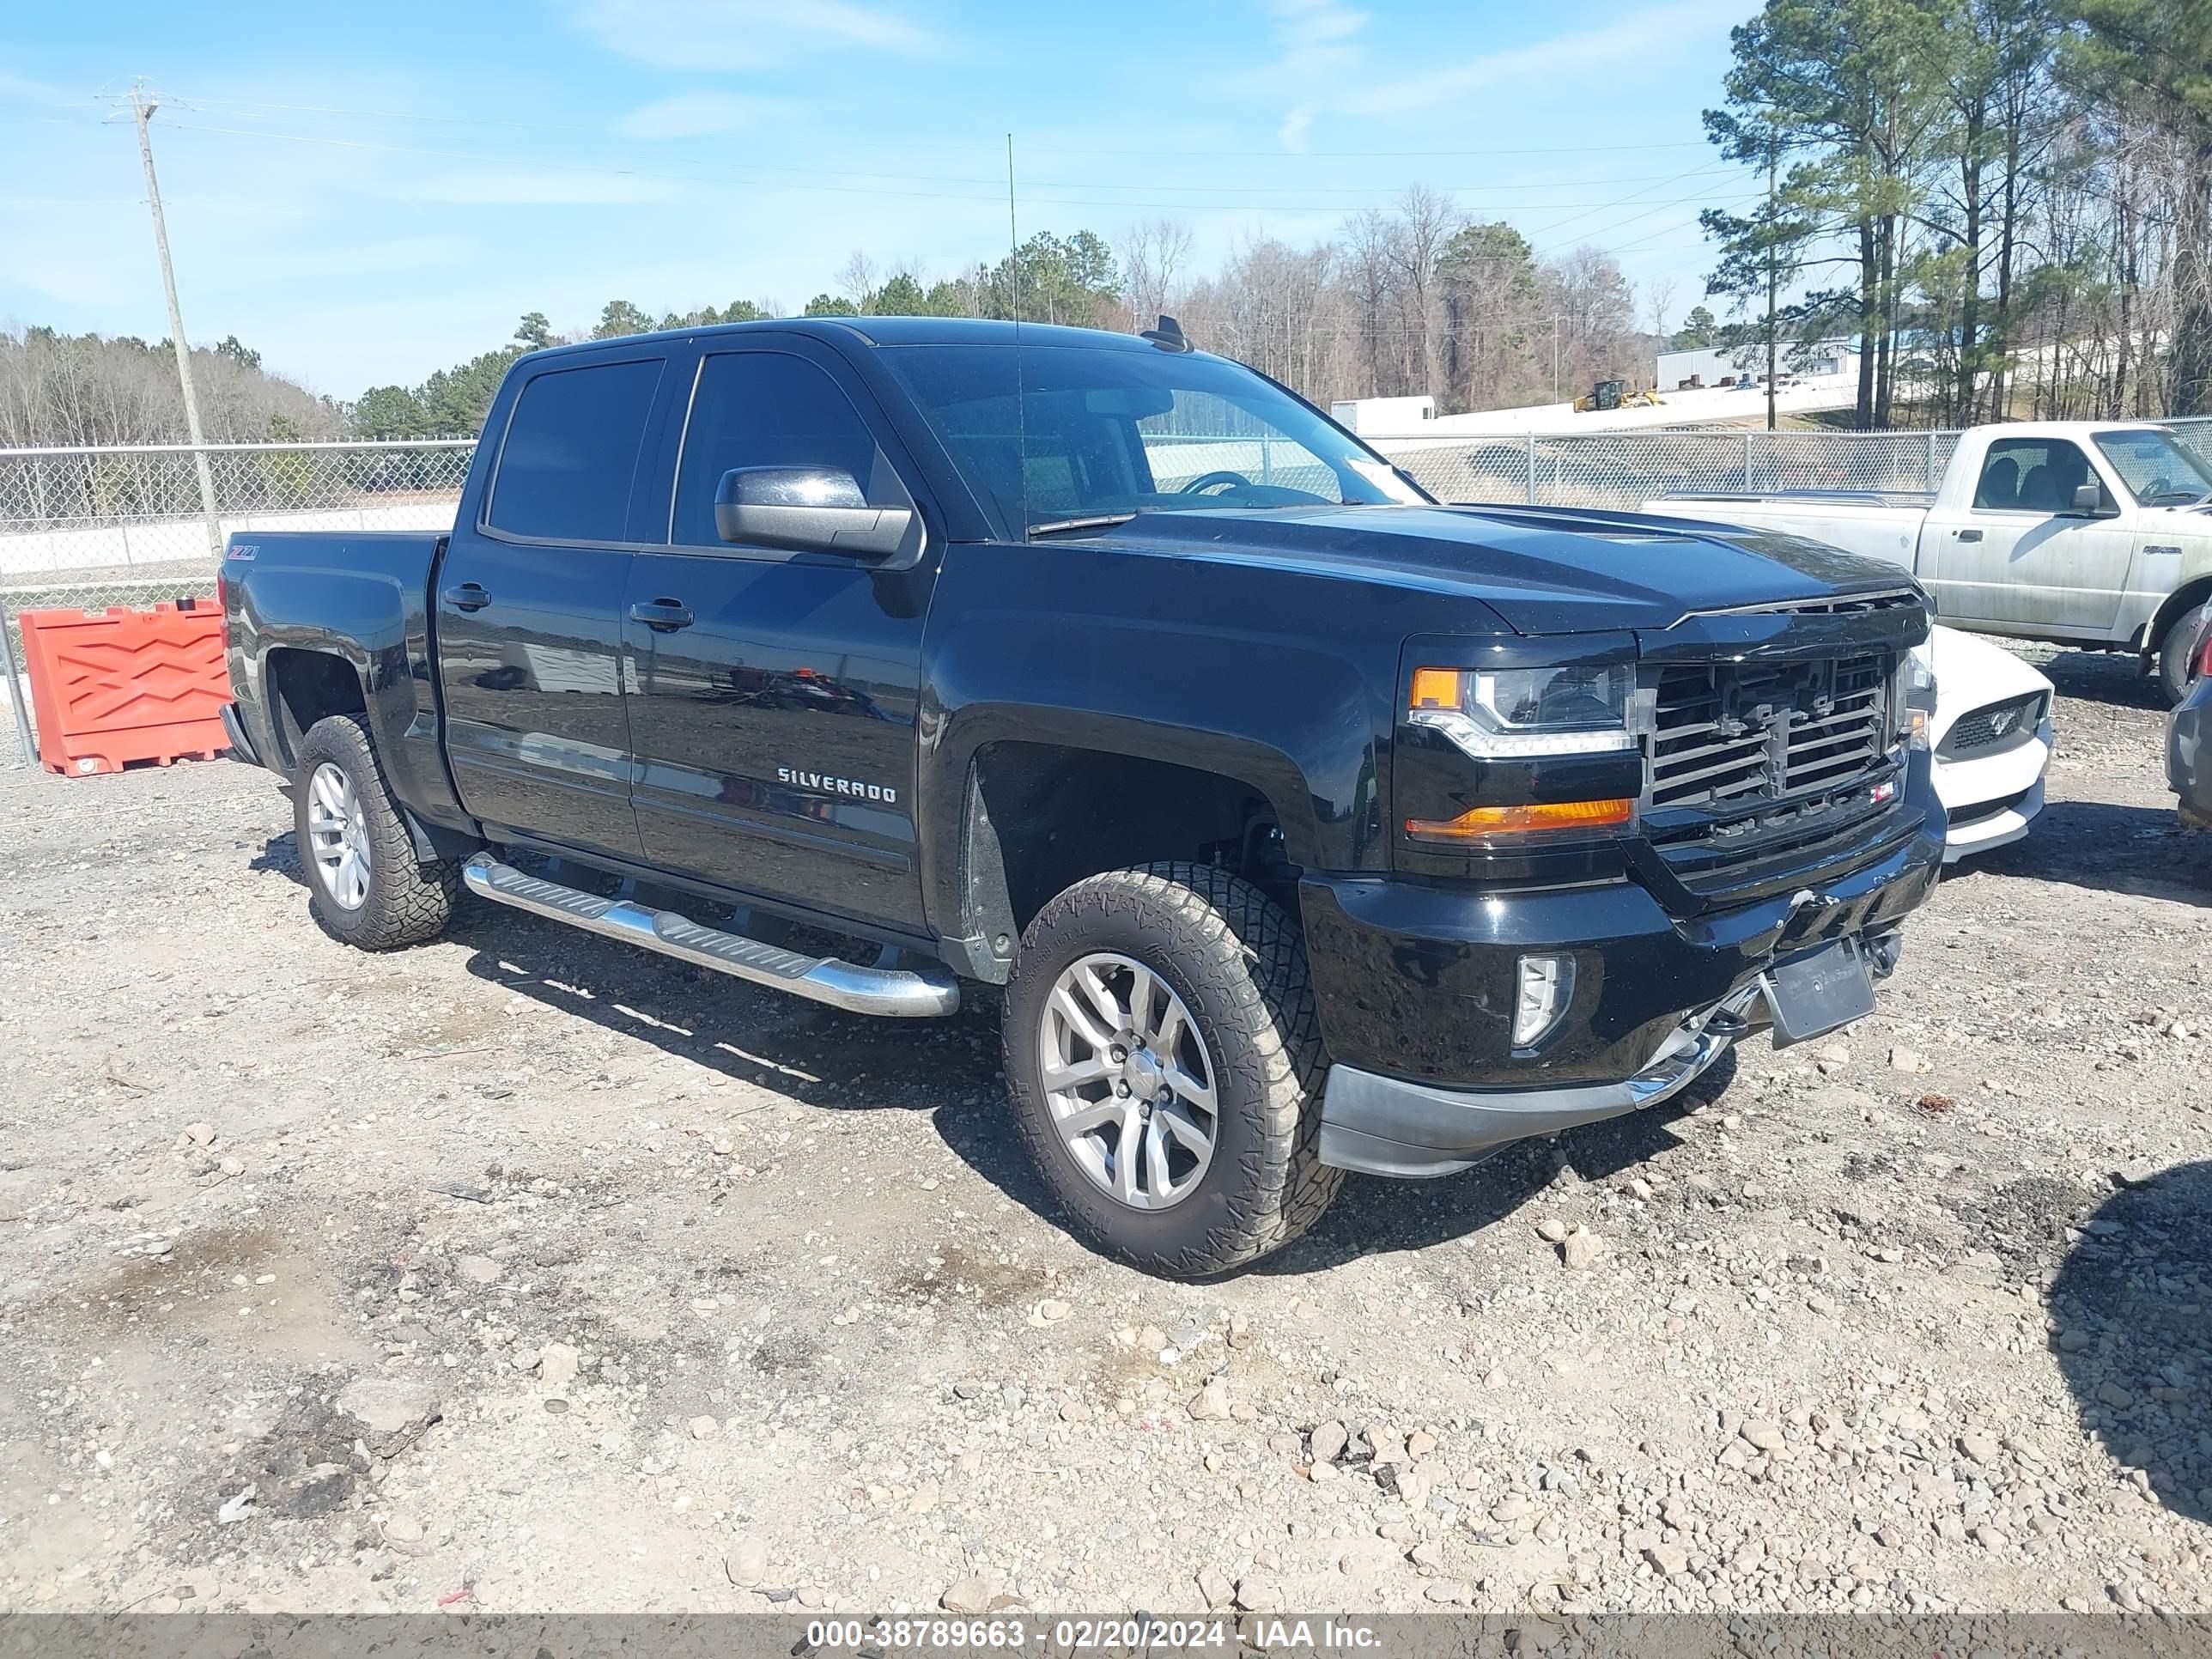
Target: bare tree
[(1659, 295), (1425, 221), (858, 278), (1153, 254)]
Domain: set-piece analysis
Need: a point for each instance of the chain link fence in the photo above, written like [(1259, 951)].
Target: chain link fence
[(1623, 470), (85, 529), (90, 528)]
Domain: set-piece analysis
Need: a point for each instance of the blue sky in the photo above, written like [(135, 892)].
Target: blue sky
[(366, 194)]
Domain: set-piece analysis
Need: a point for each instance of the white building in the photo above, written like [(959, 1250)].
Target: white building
[(1711, 366), (1383, 414)]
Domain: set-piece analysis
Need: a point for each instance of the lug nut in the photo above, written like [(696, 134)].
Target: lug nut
[(1120, 1089), (1118, 1054)]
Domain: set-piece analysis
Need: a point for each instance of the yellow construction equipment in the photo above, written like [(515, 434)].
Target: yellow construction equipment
[(1608, 394)]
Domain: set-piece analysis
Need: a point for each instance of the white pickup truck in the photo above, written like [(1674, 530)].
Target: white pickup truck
[(2082, 532)]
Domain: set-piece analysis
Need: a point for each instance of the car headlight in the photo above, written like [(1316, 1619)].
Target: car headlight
[(1520, 715), (1917, 678), (1515, 714)]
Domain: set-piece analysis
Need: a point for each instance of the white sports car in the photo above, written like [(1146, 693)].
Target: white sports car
[(1992, 737)]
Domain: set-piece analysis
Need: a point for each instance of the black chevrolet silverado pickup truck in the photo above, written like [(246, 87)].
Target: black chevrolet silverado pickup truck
[(1308, 825)]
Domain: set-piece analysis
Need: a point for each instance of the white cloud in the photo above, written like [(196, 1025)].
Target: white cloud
[(742, 35), (690, 115), (1563, 59)]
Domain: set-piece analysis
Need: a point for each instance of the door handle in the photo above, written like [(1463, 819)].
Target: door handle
[(468, 596), (1969, 535), (663, 615)]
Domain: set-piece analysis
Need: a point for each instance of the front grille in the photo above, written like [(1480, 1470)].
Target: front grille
[(1724, 732), (1999, 727), (1761, 775)]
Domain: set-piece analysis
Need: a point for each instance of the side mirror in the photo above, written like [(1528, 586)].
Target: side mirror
[(2089, 498), (812, 509)]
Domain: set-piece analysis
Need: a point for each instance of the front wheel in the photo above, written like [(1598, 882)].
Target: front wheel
[(369, 887), (2175, 669), (1166, 1066)]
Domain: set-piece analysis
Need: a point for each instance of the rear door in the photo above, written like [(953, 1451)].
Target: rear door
[(2019, 555), (773, 694), (530, 605)]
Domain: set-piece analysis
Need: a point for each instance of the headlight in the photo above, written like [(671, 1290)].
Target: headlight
[(1918, 682), (1509, 715), (1516, 713)]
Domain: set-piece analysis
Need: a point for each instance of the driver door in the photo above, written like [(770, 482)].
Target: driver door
[(2021, 555), (772, 695)]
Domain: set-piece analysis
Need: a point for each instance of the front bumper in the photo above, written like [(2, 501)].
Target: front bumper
[(1992, 800), (1415, 985), (1381, 1126)]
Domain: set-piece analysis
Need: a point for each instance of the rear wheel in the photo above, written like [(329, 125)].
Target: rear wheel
[(368, 887), (2175, 669), (1166, 1067)]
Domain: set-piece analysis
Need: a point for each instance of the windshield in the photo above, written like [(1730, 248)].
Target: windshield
[(2157, 470), (1103, 434)]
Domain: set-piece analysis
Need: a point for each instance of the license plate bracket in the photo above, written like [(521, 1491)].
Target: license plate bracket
[(1813, 994)]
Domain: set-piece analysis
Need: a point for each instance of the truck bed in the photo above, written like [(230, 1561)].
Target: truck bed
[(1880, 525), (1827, 497)]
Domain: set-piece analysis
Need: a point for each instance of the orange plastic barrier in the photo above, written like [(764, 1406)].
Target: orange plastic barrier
[(111, 687)]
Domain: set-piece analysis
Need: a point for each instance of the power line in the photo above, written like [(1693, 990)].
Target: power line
[(696, 176), (991, 149)]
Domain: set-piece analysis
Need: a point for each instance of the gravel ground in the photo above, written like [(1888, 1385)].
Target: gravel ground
[(528, 1272)]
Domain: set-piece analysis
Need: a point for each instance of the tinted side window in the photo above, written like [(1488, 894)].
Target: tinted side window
[(2030, 474), (571, 444), (764, 409)]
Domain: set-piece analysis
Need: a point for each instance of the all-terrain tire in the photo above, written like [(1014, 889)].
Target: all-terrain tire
[(407, 900), (1239, 965), (2175, 669)]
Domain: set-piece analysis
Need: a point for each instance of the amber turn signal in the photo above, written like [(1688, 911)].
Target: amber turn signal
[(1478, 822), (1437, 688)]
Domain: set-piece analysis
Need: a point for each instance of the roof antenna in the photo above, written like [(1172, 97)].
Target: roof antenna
[(1168, 336), (1014, 300)]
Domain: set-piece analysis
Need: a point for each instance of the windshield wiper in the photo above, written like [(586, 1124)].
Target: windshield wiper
[(1099, 521)]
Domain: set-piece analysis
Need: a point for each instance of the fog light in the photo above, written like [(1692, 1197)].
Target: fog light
[(1544, 986)]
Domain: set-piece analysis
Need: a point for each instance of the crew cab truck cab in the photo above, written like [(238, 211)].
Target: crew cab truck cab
[(1308, 825), (2082, 532)]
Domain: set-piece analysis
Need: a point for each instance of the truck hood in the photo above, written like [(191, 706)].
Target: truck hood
[(1544, 571), (2175, 521)]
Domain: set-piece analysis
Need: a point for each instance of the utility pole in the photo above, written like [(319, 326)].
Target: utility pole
[(1773, 281), (1556, 319), (144, 103)]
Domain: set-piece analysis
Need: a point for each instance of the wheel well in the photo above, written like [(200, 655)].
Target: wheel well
[(1042, 816), (2180, 603), (304, 687)]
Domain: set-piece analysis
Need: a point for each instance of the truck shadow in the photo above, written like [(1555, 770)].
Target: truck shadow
[(2138, 850), (2112, 678), (2133, 1310), (816, 1055), (822, 1058)]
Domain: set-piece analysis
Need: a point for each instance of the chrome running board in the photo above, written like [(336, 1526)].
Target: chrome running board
[(923, 993)]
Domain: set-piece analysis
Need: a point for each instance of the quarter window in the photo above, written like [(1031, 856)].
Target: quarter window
[(767, 408), (572, 445)]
